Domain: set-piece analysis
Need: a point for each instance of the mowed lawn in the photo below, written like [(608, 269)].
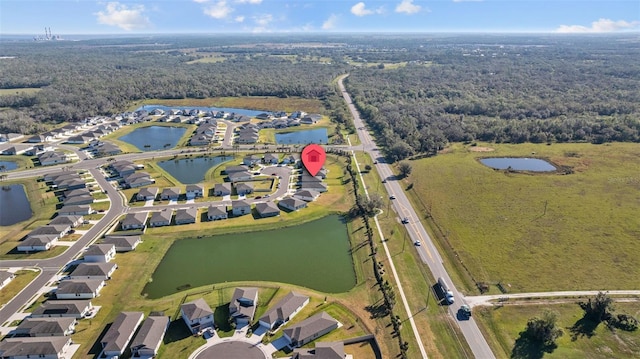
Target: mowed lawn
[(504, 325), (538, 232)]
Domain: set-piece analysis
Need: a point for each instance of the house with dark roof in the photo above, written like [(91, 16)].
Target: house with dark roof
[(195, 191), (58, 230), (35, 347), (123, 243), (267, 209), (71, 221), (239, 176), (97, 253), (93, 271), (197, 315), (79, 289), (251, 160), (217, 212), (292, 203), (186, 215), (310, 329), (53, 158), (231, 169), (271, 158), (77, 200), (284, 310), (240, 207), (45, 327), (147, 342), (63, 308), (147, 193), (5, 278), (243, 305), (117, 338), (72, 183), (162, 218), (315, 186), (244, 188), (222, 189), (134, 221), (76, 210), (37, 243), (77, 192), (139, 179), (291, 159), (323, 350), (171, 193)]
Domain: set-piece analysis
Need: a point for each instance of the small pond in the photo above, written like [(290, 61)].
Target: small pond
[(7, 166), (191, 170), (518, 164), (154, 137), (239, 111), (315, 255), (14, 205), (318, 135)]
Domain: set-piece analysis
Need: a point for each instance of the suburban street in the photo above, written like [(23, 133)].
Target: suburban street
[(427, 249)]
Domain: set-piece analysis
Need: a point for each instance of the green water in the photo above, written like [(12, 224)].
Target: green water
[(315, 255)]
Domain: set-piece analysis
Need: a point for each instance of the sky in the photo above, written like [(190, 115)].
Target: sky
[(29, 17)]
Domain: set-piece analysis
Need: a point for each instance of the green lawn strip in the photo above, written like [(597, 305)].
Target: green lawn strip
[(546, 221), (9, 253), (260, 103), (99, 195), (267, 135), (502, 326), (43, 205), (22, 161), (22, 279)]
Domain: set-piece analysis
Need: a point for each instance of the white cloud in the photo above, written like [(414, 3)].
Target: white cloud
[(467, 0), (239, 19), (601, 25), (201, 1), (249, 1), (123, 16), (330, 23), (407, 7), (219, 10), (263, 20), (360, 10)]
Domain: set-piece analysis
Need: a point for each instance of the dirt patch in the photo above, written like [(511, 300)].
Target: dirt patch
[(481, 149)]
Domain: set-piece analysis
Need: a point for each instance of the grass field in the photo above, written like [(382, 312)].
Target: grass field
[(502, 326), (22, 279), (19, 91), (22, 161), (536, 231), (263, 103)]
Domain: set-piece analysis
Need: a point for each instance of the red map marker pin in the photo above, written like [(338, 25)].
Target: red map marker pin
[(313, 157)]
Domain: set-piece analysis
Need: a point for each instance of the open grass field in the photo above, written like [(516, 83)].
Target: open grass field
[(22, 161), (502, 327), (19, 91), (536, 232), (261, 103), (22, 279)]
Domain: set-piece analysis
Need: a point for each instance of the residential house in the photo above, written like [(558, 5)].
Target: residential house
[(267, 209), (264, 116), (79, 289), (271, 158), (77, 192), (171, 193), (222, 189), (149, 338), (79, 139), (8, 137), (58, 177), (134, 221), (217, 212), (194, 191), (123, 243), (291, 159), (71, 221), (284, 310), (162, 218), (251, 160), (117, 338), (53, 158), (45, 327), (292, 203), (40, 138), (310, 329), (231, 169), (201, 139), (243, 305), (35, 347), (37, 243), (147, 194), (240, 207), (315, 186), (39, 149), (247, 138), (71, 184), (93, 271), (79, 210), (107, 149), (311, 119), (323, 350), (244, 188), (298, 114), (63, 308), (239, 176), (197, 315), (99, 253), (186, 215), (139, 179), (77, 200), (57, 230), (13, 151), (5, 278)]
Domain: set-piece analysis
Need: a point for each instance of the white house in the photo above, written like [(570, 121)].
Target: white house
[(79, 289), (194, 191), (37, 243), (97, 253), (117, 338), (310, 329), (123, 243), (35, 347), (147, 342), (197, 315), (284, 310), (217, 212), (93, 271), (5, 278), (243, 305)]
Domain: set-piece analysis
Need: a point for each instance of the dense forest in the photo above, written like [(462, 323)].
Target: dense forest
[(418, 92)]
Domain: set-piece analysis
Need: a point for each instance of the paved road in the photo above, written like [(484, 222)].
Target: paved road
[(488, 299), (427, 250)]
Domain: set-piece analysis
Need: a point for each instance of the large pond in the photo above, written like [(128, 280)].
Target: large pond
[(14, 205), (154, 137), (191, 170), (318, 135), (315, 255), (239, 111), (7, 166), (518, 164)]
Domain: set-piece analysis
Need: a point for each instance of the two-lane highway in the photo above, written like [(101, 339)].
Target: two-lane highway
[(427, 250)]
